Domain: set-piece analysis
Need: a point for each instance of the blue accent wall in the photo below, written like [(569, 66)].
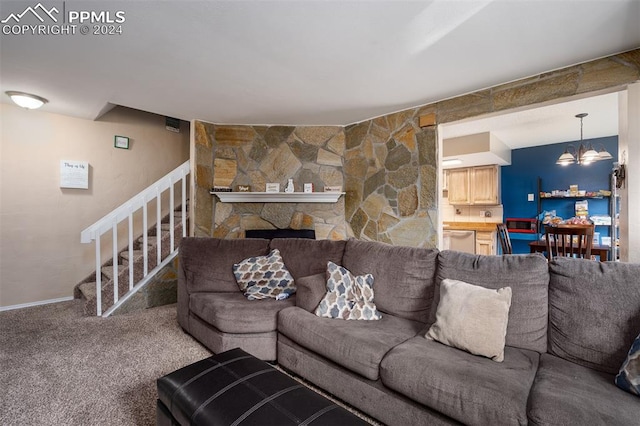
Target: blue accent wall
[(527, 164)]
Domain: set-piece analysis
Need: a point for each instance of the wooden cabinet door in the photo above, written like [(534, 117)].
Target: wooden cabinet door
[(484, 183), (458, 186), (485, 243)]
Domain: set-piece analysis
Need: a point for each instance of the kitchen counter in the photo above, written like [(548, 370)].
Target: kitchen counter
[(469, 226)]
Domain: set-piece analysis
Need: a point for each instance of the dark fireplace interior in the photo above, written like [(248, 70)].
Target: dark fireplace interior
[(280, 233)]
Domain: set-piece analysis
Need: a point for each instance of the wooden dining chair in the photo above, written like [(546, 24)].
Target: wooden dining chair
[(505, 240), (569, 240)]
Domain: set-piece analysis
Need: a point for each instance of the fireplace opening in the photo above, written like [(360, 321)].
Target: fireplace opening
[(270, 234)]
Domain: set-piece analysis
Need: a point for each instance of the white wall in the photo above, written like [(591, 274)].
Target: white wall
[(629, 154), (41, 257)]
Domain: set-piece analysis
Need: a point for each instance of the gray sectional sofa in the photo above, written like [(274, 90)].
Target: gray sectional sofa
[(570, 325)]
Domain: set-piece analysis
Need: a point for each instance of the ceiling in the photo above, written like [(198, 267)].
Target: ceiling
[(310, 62), (546, 125)]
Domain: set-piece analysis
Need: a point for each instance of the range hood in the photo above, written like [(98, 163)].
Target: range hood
[(479, 149)]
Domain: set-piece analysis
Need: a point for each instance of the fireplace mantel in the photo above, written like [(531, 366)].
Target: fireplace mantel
[(278, 197)]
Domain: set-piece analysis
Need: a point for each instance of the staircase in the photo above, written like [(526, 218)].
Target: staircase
[(86, 290), (147, 258)]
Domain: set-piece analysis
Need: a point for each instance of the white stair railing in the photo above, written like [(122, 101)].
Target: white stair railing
[(126, 211)]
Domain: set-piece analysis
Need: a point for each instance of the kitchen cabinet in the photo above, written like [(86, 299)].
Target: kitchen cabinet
[(485, 242), (458, 186), (478, 237), (473, 185)]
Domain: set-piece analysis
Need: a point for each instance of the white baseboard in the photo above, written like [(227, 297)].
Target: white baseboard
[(30, 304)]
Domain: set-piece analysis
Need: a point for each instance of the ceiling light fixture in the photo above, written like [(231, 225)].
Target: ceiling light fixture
[(26, 100), (584, 155), (451, 162)]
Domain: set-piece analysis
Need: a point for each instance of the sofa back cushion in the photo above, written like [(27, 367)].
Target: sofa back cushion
[(528, 277), (304, 257), (208, 262), (403, 276), (594, 311)]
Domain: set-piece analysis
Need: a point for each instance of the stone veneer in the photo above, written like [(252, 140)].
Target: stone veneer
[(255, 155), (390, 179), (389, 164)]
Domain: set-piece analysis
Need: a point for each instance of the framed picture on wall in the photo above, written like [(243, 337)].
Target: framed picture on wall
[(121, 142)]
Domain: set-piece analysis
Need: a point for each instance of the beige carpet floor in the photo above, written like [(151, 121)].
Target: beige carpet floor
[(58, 367)]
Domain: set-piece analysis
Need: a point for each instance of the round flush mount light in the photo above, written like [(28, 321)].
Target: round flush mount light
[(26, 100)]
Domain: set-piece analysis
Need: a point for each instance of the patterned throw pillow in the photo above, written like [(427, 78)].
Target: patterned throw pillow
[(348, 297), (263, 277), (629, 376)]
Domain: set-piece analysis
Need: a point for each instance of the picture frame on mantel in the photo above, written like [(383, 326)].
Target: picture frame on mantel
[(272, 187), (121, 142)]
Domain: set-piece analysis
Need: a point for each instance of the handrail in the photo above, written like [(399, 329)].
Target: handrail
[(125, 212)]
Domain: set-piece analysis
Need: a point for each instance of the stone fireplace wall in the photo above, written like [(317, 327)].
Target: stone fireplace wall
[(387, 165), (390, 179), (255, 155)]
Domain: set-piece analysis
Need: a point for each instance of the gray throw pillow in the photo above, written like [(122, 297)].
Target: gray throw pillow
[(472, 318)]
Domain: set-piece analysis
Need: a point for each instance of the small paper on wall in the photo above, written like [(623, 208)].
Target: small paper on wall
[(74, 174)]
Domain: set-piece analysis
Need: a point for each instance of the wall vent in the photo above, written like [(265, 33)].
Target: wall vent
[(172, 124)]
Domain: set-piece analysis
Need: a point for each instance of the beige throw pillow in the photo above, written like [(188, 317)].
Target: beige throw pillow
[(472, 318)]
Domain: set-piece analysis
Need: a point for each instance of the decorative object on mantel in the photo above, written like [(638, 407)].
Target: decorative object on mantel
[(289, 188), (243, 188), (333, 189), (584, 155), (308, 187), (272, 187), (221, 189)]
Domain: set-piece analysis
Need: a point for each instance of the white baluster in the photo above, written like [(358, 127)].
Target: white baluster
[(145, 241), (130, 248), (158, 226), (115, 260), (98, 278), (184, 204), (171, 213)]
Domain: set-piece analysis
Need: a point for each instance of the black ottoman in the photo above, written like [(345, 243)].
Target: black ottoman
[(235, 388)]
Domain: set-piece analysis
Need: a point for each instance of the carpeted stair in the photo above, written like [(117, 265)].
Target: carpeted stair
[(86, 290)]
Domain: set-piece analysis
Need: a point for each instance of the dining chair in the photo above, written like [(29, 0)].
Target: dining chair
[(505, 240), (569, 240)]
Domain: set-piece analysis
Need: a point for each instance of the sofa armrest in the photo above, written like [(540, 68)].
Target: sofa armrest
[(310, 291)]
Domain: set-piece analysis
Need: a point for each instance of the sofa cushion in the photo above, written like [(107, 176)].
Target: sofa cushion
[(348, 297), (404, 276), (305, 257), (233, 313), (263, 277), (629, 376), (594, 311), (472, 318), (471, 389), (528, 277), (565, 393), (311, 290), (355, 345), (208, 262)]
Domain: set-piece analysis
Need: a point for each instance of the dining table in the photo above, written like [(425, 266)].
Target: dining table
[(540, 246)]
